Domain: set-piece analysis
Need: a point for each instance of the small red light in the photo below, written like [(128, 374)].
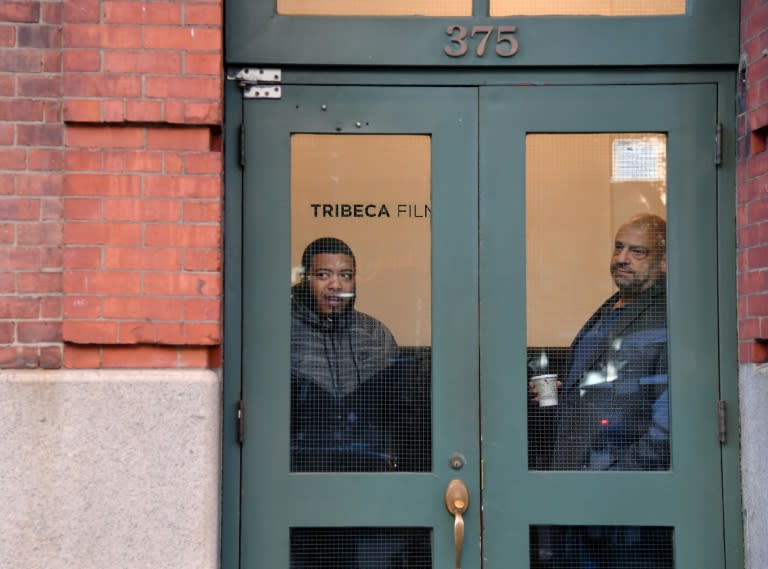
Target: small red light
[(604, 422)]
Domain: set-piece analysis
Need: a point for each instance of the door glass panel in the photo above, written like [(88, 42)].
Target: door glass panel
[(586, 7), (596, 301), (361, 305), (361, 548), (374, 8), (601, 547)]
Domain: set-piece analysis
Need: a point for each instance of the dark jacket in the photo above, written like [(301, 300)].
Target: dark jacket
[(339, 389), (613, 412), (337, 353)]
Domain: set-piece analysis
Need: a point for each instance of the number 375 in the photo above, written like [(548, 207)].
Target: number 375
[(506, 42)]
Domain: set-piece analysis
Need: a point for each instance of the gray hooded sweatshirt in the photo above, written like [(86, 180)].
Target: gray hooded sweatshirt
[(340, 352)]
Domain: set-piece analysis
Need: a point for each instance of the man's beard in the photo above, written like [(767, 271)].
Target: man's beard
[(626, 283)]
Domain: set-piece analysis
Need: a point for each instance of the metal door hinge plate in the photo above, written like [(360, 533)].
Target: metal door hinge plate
[(718, 144), (240, 421), (722, 422), (259, 82)]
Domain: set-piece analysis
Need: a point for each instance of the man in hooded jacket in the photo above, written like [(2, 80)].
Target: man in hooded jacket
[(352, 406), (338, 359), (334, 345)]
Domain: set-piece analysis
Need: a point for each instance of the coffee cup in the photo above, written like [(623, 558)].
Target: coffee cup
[(546, 389)]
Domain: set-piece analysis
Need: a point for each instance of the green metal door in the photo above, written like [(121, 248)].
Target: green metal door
[(441, 124), (457, 202), (647, 131)]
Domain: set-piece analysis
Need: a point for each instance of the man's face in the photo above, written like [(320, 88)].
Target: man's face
[(332, 281), (637, 262)]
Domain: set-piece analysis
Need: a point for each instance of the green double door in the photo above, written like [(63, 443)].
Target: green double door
[(482, 222)]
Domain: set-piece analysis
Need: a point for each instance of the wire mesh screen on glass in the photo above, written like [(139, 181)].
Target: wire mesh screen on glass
[(361, 548), (596, 302), (360, 308), (601, 547)]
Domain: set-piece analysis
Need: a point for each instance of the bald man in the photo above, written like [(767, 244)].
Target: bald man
[(613, 412)]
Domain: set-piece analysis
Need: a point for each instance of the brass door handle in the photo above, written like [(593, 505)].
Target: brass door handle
[(457, 502)]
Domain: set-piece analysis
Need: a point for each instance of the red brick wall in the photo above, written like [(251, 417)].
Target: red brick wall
[(31, 162), (752, 183), (111, 183)]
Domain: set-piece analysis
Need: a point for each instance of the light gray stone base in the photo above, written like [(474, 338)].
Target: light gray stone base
[(753, 401), (105, 469)]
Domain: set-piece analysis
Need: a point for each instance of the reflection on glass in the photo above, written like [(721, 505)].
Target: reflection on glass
[(596, 303), (586, 7), (361, 548), (360, 303), (601, 547), (374, 8)]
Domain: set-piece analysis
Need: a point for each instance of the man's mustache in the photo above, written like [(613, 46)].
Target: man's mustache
[(622, 266)]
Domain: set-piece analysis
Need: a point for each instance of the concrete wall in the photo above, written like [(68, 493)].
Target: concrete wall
[(109, 469), (753, 399)]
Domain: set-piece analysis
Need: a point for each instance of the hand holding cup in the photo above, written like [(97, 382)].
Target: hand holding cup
[(545, 389)]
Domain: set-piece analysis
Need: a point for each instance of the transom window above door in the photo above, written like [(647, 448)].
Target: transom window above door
[(482, 33), (496, 8)]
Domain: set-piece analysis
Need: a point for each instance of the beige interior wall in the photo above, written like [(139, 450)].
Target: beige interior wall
[(586, 7), (573, 209), (497, 7), (393, 251), (375, 7)]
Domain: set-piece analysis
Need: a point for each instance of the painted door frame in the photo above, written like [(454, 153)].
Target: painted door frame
[(707, 34), (725, 243)]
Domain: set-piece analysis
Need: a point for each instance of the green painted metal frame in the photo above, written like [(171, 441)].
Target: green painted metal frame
[(706, 34), (233, 298), (688, 496), (723, 80), (315, 498), (726, 312)]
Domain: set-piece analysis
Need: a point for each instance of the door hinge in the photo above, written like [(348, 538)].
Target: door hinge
[(240, 421), (718, 144), (722, 429), (259, 82), (242, 145)]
